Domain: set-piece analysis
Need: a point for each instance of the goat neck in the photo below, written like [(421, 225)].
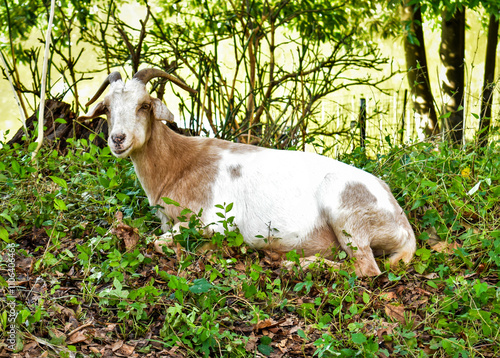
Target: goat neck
[(174, 166)]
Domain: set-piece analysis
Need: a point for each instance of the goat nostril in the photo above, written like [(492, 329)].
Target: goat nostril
[(118, 138)]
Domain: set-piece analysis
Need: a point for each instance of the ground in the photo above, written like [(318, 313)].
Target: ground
[(89, 283)]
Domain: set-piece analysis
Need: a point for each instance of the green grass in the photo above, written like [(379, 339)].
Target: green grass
[(79, 289)]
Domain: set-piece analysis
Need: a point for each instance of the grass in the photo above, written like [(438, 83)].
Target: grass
[(88, 283)]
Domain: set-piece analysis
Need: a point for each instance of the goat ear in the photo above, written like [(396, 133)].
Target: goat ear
[(161, 111), (96, 111)]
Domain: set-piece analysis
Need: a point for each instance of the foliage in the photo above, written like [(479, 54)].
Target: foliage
[(261, 68), (73, 267)]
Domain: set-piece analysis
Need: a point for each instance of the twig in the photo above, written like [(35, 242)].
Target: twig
[(90, 323), (41, 109)]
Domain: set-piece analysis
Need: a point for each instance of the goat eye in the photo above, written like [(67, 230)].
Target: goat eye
[(145, 106)]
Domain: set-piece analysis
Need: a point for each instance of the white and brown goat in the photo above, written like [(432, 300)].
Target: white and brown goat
[(282, 200)]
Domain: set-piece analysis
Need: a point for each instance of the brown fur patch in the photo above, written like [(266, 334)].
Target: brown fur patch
[(181, 168), (235, 147), (357, 195), (401, 217), (235, 171), (320, 241)]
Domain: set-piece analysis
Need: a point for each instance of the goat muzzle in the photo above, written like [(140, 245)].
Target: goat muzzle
[(118, 139)]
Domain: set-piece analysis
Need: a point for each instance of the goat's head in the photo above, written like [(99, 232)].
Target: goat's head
[(130, 109)]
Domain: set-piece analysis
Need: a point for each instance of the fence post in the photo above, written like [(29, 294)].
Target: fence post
[(403, 117), (362, 122)]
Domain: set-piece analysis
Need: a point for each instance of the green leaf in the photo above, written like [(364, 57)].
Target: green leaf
[(418, 203), (393, 277), (266, 340), (59, 205), (424, 253), (250, 290), (4, 234), (301, 334), (61, 182), (446, 115), (366, 297), (118, 285), (265, 349), (169, 201), (432, 284), (200, 285), (358, 338)]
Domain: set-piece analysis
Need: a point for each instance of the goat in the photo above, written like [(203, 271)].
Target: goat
[(314, 203)]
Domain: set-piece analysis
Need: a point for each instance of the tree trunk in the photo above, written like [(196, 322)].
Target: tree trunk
[(452, 53), (57, 131), (416, 63), (488, 82)]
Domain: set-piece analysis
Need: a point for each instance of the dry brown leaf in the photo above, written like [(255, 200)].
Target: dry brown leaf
[(128, 234), (110, 327), (116, 346), (267, 323), (119, 217), (389, 296), (252, 343), (445, 247), (431, 276), (95, 350), (77, 337), (433, 236), (386, 330), (397, 313), (421, 291), (127, 349), (240, 266)]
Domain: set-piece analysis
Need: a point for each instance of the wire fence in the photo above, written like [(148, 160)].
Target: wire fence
[(377, 122)]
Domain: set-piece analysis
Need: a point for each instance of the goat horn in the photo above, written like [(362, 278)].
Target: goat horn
[(112, 77), (147, 74)]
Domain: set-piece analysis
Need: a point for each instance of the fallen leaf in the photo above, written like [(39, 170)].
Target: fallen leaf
[(127, 349), (128, 234), (110, 327), (116, 346), (433, 235), (397, 313), (445, 247), (389, 296), (252, 343), (240, 266), (385, 330), (95, 350), (77, 337), (431, 276), (267, 323)]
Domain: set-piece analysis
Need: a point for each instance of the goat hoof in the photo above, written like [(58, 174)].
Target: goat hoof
[(163, 242)]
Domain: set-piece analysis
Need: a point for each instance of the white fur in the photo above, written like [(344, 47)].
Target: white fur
[(286, 191)]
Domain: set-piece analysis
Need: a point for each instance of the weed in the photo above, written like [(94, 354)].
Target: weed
[(71, 266)]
